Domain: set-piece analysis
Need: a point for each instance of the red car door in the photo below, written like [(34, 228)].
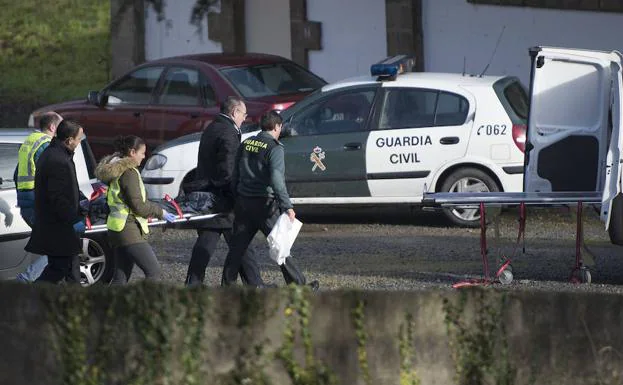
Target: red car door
[(185, 102), (122, 111)]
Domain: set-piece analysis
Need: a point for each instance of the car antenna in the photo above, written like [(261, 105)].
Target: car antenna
[(494, 50), (464, 61)]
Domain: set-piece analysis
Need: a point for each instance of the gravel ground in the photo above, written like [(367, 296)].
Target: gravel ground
[(405, 250)]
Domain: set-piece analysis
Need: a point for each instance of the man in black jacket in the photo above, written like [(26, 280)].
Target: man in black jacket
[(215, 165), (57, 209)]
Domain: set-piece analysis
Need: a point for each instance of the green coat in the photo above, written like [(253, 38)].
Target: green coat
[(112, 167)]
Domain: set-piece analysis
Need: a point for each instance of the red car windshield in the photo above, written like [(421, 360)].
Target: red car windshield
[(272, 79)]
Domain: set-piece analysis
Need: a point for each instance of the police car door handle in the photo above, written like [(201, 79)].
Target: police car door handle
[(449, 140), (352, 146)]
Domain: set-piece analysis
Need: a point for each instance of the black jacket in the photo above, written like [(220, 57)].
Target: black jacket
[(215, 165), (57, 204)]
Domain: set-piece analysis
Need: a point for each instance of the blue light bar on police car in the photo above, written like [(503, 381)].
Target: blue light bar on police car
[(392, 66)]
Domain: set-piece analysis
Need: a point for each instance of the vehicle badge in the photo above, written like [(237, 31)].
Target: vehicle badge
[(316, 157)]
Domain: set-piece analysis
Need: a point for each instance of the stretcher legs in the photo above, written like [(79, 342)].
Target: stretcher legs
[(504, 274), (580, 273)]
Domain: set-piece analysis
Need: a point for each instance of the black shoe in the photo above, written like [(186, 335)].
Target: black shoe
[(314, 285)]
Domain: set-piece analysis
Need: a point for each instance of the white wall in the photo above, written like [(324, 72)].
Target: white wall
[(267, 27), (353, 37), (175, 35), (454, 29)]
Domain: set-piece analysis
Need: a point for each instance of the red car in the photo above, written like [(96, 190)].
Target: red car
[(163, 99)]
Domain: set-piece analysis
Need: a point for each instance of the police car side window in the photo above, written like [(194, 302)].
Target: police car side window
[(343, 112), (413, 108), (8, 162), (408, 108), (451, 110)]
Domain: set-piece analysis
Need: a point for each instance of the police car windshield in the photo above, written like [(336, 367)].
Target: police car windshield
[(272, 79)]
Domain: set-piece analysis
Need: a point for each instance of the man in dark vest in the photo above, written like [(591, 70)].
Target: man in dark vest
[(261, 197)]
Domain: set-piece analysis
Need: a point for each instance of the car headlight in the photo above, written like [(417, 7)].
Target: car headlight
[(31, 120), (155, 161)]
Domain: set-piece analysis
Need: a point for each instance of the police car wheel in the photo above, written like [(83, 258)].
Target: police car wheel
[(467, 180)]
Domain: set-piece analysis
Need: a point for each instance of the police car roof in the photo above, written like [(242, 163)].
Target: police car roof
[(418, 79)]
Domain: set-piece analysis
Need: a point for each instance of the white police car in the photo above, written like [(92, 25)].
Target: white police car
[(386, 138)]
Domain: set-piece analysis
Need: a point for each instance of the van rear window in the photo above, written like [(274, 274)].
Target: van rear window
[(514, 98)]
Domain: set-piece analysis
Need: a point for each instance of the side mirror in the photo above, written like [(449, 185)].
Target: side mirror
[(286, 130), (93, 98), (97, 98)]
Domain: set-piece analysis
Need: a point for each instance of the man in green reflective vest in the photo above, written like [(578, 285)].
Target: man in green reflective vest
[(29, 153)]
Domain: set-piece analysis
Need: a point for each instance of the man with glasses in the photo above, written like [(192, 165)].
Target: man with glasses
[(215, 165)]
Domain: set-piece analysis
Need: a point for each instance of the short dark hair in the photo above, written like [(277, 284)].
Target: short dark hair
[(230, 104), (48, 119), (270, 120), (124, 144), (67, 129)]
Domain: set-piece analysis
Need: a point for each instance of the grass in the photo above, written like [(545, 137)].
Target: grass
[(53, 50)]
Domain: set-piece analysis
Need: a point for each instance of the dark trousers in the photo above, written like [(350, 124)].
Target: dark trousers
[(140, 254), (28, 215), (61, 269), (251, 215), (204, 249)]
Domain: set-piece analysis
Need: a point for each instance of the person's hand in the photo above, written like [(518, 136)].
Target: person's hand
[(169, 217), (79, 227), (291, 214)]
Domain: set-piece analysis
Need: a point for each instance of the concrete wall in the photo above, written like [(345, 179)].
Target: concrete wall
[(268, 27), (175, 35), (353, 37), (454, 29), (219, 336)]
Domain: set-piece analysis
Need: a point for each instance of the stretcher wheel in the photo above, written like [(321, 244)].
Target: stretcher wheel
[(585, 275), (506, 276)]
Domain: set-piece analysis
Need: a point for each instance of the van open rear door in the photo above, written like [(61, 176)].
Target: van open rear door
[(568, 123), (614, 159)]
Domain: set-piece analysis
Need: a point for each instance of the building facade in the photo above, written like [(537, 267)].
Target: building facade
[(341, 38)]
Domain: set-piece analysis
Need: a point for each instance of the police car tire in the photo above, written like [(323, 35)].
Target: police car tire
[(472, 173)]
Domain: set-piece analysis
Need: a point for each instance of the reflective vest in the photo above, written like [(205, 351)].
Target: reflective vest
[(119, 211), (26, 159)]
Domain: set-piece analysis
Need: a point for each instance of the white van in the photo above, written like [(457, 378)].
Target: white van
[(573, 139)]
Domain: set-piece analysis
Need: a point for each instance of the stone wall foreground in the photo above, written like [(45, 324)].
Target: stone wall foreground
[(157, 334)]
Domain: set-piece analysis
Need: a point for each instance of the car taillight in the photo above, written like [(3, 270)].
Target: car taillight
[(281, 106), (519, 136)]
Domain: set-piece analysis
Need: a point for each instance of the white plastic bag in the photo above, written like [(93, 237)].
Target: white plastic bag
[(281, 238)]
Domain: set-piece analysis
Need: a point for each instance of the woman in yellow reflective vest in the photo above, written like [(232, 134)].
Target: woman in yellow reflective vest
[(129, 210)]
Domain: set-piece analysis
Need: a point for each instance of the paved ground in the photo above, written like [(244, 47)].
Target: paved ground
[(402, 250)]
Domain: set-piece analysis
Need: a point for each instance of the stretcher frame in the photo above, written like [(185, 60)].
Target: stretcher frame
[(185, 218), (504, 274), (151, 222)]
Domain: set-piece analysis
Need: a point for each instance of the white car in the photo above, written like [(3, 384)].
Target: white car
[(387, 138), (96, 259)]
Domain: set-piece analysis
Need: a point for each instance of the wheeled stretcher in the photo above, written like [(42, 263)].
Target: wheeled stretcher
[(480, 200), (182, 218)]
